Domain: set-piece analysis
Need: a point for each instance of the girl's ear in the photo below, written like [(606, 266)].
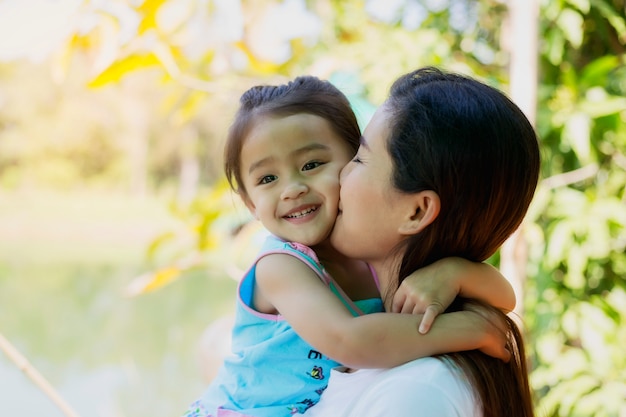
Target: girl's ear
[(424, 207)]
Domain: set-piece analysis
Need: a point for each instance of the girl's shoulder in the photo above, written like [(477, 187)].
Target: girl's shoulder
[(274, 244)]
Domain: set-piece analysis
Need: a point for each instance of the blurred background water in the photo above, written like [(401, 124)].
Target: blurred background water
[(65, 262)]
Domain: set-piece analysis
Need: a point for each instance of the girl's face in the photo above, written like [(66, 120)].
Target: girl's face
[(370, 207), (290, 169)]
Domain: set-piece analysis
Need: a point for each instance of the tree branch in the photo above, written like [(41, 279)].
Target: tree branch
[(22, 363), (571, 177)]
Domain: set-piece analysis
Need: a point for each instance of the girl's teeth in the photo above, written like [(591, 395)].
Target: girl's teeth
[(302, 213)]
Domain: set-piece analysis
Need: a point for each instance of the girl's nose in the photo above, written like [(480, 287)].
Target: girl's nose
[(294, 190)]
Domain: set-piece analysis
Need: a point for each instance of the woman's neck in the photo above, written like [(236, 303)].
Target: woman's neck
[(353, 276), (387, 271)]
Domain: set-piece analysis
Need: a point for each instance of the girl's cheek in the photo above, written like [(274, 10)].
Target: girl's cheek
[(344, 172)]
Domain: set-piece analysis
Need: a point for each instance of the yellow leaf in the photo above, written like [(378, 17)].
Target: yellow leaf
[(81, 42), (162, 278), (152, 281), (120, 68), (149, 10)]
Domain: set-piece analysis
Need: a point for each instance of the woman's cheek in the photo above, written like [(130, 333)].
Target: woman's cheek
[(353, 211), (345, 171)]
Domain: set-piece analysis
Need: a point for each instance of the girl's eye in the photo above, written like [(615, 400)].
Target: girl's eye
[(356, 160), (267, 179), (311, 165)]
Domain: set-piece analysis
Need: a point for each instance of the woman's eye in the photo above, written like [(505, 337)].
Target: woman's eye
[(356, 159), (267, 179), (311, 165)]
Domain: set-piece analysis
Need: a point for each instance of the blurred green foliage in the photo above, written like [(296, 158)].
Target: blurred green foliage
[(164, 78)]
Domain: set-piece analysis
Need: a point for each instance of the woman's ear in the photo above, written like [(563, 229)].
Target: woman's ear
[(424, 209)]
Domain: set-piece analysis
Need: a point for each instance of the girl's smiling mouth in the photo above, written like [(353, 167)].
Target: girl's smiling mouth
[(301, 213)]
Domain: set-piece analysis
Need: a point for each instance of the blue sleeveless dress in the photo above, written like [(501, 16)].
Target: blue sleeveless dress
[(272, 372)]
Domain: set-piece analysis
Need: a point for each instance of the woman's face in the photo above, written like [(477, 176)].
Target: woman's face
[(369, 206)]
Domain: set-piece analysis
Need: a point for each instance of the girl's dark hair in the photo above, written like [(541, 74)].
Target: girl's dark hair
[(305, 94), (475, 148)]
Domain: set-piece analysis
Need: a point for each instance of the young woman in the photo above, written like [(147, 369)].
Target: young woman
[(447, 167)]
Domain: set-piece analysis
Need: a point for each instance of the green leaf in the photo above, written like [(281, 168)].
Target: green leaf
[(576, 262), (595, 328), (582, 5), (566, 202), (596, 108), (617, 299), (607, 400), (597, 71), (571, 23), (559, 242), (555, 45), (577, 133), (616, 20)]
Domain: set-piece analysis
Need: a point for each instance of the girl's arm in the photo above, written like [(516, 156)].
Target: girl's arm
[(430, 290), (370, 341)]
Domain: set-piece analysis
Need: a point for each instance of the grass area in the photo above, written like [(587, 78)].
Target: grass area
[(52, 227)]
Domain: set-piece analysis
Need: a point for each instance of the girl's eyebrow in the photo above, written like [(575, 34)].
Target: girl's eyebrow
[(308, 148), (258, 164)]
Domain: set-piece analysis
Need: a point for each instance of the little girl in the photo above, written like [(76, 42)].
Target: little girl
[(303, 308)]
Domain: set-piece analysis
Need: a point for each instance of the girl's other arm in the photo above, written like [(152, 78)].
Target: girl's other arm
[(430, 290), (370, 341)]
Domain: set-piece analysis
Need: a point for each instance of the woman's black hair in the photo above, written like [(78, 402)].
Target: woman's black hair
[(476, 149)]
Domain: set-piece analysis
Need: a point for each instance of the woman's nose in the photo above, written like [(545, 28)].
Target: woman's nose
[(294, 190)]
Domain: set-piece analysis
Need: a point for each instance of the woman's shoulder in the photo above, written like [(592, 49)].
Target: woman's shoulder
[(426, 371), (435, 386)]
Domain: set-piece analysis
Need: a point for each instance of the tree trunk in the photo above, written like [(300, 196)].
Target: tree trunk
[(522, 43)]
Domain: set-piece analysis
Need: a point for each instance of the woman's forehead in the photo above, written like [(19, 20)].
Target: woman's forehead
[(377, 130)]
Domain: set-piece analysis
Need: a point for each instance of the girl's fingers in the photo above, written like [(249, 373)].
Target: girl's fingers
[(432, 311)]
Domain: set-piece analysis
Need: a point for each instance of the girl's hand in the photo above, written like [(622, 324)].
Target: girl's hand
[(429, 290)]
